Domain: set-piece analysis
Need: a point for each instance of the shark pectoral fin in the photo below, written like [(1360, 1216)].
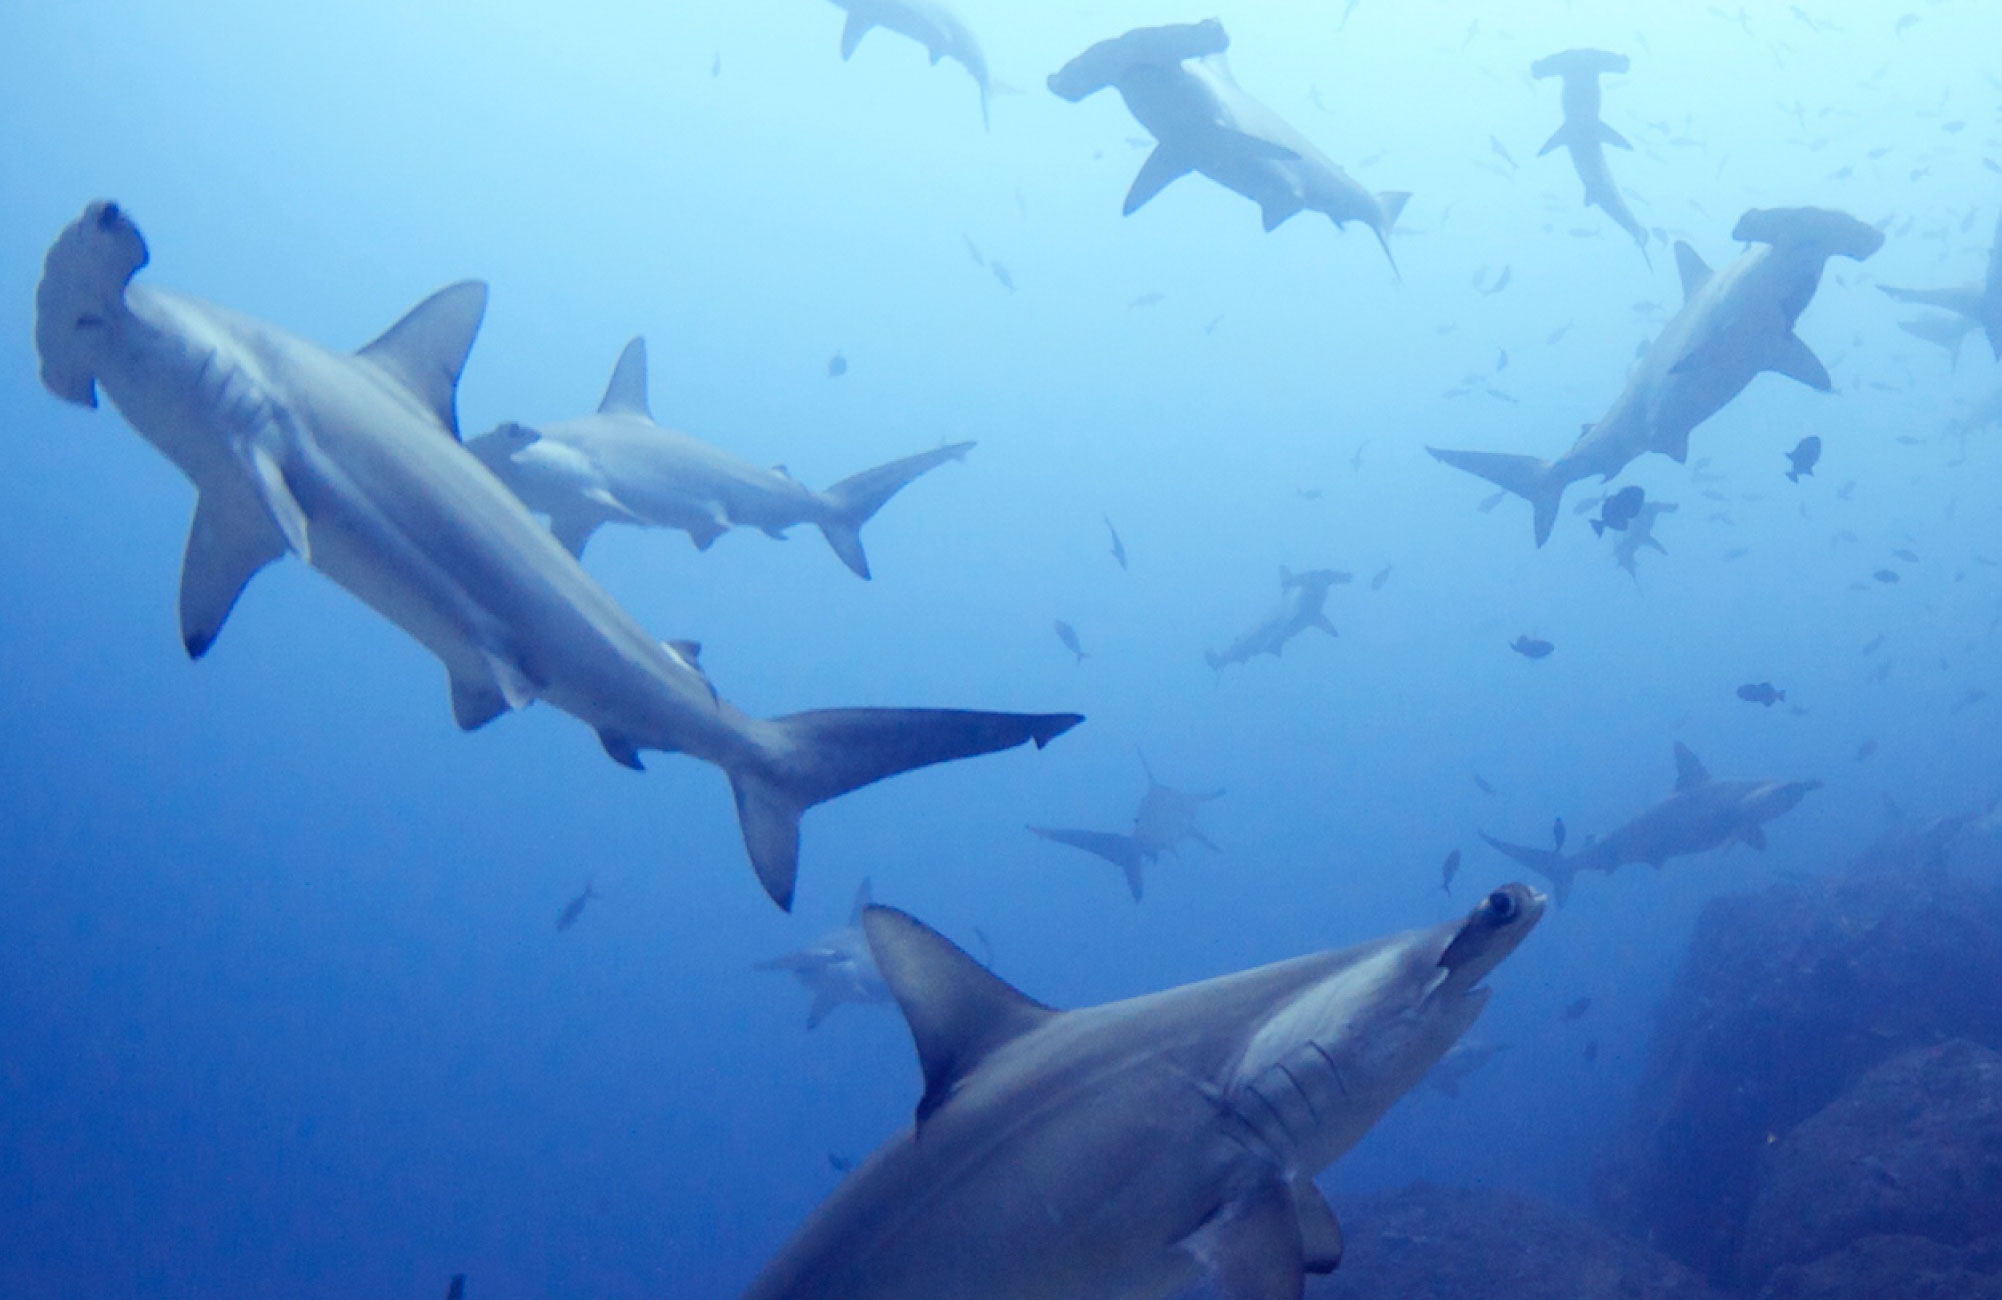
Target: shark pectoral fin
[(1321, 621), (1556, 139), (1607, 135), (426, 350), (626, 393), (864, 898), (227, 545), (1162, 166), (853, 31), (574, 530), (1755, 836), (1689, 769), (621, 750), (824, 1002), (276, 494), (1275, 215), (959, 1012), (1796, 360), (475, 704), (1320, 1233), (1694, 270), (1251, 1245), (514, 685)]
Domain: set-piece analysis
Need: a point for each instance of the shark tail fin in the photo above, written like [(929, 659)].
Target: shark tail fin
[(1548, 863), (810, 758), (855, 499), (81, 292), (1534, 480)]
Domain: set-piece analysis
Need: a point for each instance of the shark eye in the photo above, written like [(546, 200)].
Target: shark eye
[(1502, 906)]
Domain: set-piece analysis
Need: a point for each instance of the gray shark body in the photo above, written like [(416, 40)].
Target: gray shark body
[(1303, 598), (1585, 136), (1975, 307), (931, 25), (1166, 820), (1703, 814), (1178, 86), (618, 466), (837, 968), (1127, 1150), (352, 462), (1734, 323)]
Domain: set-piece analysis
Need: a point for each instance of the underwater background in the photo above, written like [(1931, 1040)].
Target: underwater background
[(283, 1009)]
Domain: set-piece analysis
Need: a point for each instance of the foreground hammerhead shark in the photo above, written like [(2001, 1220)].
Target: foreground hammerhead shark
[(1976, 306), (931, 25), (1303, 598), (1166, 819), (618, 466), (1733, 324), (838, 967), (1701, 815), (1586, 136), (352, 462), (1132, 1148), (1177, 85)]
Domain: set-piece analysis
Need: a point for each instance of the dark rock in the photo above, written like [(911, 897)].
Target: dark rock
[(1786, 998), (1914, 1148), (1444, 1243), (1895, 1268)]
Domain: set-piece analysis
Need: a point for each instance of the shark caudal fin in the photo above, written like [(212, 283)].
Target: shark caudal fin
[(82, 291), (851, 502), (1548, 863), (1531, 478), (809, 758), (1391, 202)]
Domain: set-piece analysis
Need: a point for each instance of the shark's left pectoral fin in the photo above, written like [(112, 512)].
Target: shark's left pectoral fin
[(1252, 1245), (1320, 1233), (1796, 360), (853, 31), (1162, 167), (959, 1012), (1557, 138), (1607, 135), (475, 704), (1754, 836), (227, 545), (426, 350), (286, 512), (1275, 215)]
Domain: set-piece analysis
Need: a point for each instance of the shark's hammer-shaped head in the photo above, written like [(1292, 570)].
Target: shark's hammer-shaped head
[(82, 297)]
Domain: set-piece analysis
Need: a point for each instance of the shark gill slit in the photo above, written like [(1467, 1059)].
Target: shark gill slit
[(1341, 1085), (1313, 1111)]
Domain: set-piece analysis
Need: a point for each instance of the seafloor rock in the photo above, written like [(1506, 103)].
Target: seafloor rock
[(1913, 1149), (1445, 1243), (1787, 997), (1895, 1268)]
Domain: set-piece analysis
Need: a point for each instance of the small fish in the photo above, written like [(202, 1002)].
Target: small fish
[(1501, 282), (575, 907), (1308, 494), (716, 66), (1619, 510), (1068, 635), (1118, 547), (456, 1288), (973, 251), (1591, 1051), (1737, 553), (1355, 461), (837, 366), (1481, 784), (1803, 457), (1557, 834), (1214, 322), (839, 1164), (1551, 339), (1531, 647), (1904, 554), (1451, 869), (1501, 151), (1147, 299), (1865, 749), (1973, 697), (1885, 575), (1001, 274), (1376, 583), (1874, 644), (1501, 360), (1843, 493), (1575, 1011), (1760, 693)]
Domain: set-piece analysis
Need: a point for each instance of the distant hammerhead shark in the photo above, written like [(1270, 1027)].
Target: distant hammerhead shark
[(352, 462), (838, 967), (1585, 135), (1978, 305), (931, 25), (1733, 324), (1133, 1148), (1178, 86), (1166, 819), (1302, 601), (1640, 534), (618, 466), (1701, 815)]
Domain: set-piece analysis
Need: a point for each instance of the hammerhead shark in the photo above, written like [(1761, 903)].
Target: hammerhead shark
[(618, 466), (838, 967), (1733, 324), (1701, 815), (1303, 598), (931, 25), (1976, 306), (1165, 821), (1133, 1148), (352, 462), (1586, 136), (1177, 85), (1640, 534)]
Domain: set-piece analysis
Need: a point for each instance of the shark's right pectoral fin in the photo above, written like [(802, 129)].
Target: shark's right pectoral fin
[(1557, 138), (574, 530), (1796, 360), (1320, 1233), (1162, 166), (476, 701), (1255, 1245), (227, 545), (1607, 135), (853, 31), (286, 512)]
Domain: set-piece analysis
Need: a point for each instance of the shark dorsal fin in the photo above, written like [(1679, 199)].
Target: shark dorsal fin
[(1689, 769), (1694, 270), (864, 897), (959, 1011), (426, 350), (626, 394)]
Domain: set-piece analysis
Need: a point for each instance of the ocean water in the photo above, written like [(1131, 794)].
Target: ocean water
[(283, 1007)]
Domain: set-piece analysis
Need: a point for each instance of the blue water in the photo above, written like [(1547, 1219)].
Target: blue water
[(283, 1010)]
